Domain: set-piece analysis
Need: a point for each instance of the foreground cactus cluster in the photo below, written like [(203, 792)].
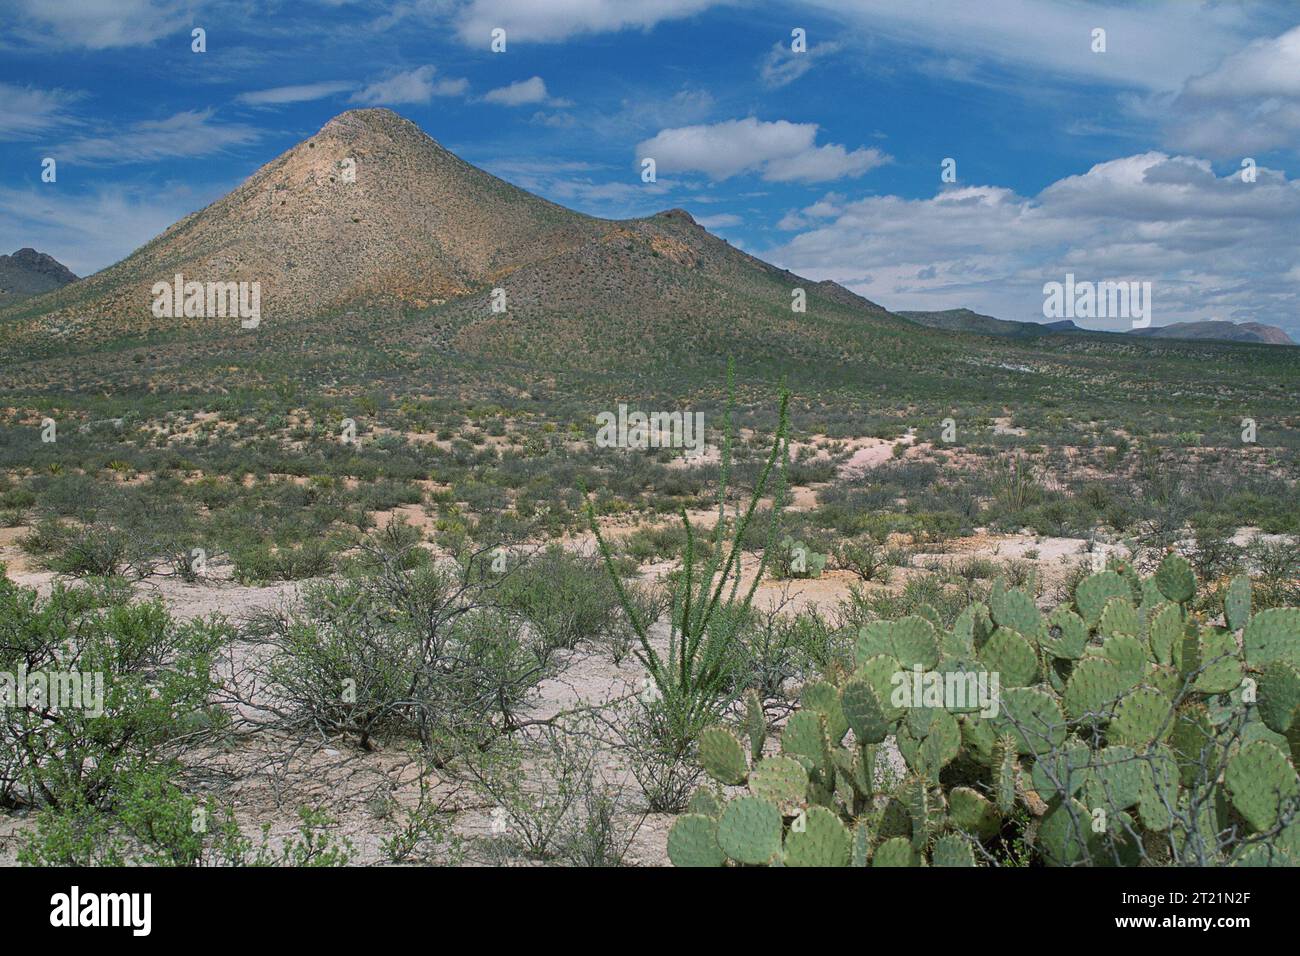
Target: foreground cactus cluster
[(1128, 731)]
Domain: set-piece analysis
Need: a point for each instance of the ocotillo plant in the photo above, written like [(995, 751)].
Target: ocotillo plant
[(692, 678)]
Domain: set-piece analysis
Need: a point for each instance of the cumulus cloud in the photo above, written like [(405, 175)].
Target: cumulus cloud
[(780, 151), (411, 86), (524, 93), (1249, 102), (1212, 246)]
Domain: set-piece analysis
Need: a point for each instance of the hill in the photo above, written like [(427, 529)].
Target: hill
[(27, 273), (1220, 331), (964, 320)]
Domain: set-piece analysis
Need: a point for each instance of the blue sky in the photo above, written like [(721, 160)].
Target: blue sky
[(1115, 165)]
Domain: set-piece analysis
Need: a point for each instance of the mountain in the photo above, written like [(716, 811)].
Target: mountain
[(417, 225), (422, 233), (964, 320), (1219, 330), (27, 273)]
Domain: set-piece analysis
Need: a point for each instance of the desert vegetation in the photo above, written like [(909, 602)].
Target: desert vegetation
[(459, 631)]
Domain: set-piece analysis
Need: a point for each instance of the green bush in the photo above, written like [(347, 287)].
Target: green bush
[(146, 683)]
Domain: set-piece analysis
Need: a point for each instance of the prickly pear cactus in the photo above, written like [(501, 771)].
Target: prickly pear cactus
[(1120, 729)]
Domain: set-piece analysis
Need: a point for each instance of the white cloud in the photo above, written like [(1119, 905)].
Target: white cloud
[(89, 231), (1266, 67), (782, 66), (190, 133), (25, 110), (101, 24), (532, 21), (1213, 247), (1152, 46), (781, 151), (412, 86), (1249, 102), (294, 94), (722, 220), (523, 93)]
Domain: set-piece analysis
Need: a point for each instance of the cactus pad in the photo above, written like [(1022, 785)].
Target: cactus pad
[(1175, 580), (693, 841), (952, 850), (1236, 602), (722, 756), (1032, 718), (1094, 591), (895, 851), (1143, 716), (1093, 688), (1119, 617), (1220, 668), (1014, 609), (1261, 781), (1279, 696), (781, 780), (1273, 635), (818, 838), (1165, 632), (749, 830), (825, 699), (863, 712), (1064, 635), (929, 740), (971, 811), (1010, 656)]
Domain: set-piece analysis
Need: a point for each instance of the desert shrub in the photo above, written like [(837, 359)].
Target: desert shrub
[(425, 654), (566, 597), (865, 558), (551, 799), (144, 680), (48, 535), (259, 563), (96, 549), (155, 824), (1124, 731)]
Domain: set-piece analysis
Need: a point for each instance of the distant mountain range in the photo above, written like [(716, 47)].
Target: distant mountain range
[(964, 320), (27, 273)]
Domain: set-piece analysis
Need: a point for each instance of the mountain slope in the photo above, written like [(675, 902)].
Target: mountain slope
[(1220, 331), (964, 320), (27, 273), (416, 225)]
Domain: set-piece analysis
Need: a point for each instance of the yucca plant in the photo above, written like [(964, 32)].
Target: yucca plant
[(693, 679)]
